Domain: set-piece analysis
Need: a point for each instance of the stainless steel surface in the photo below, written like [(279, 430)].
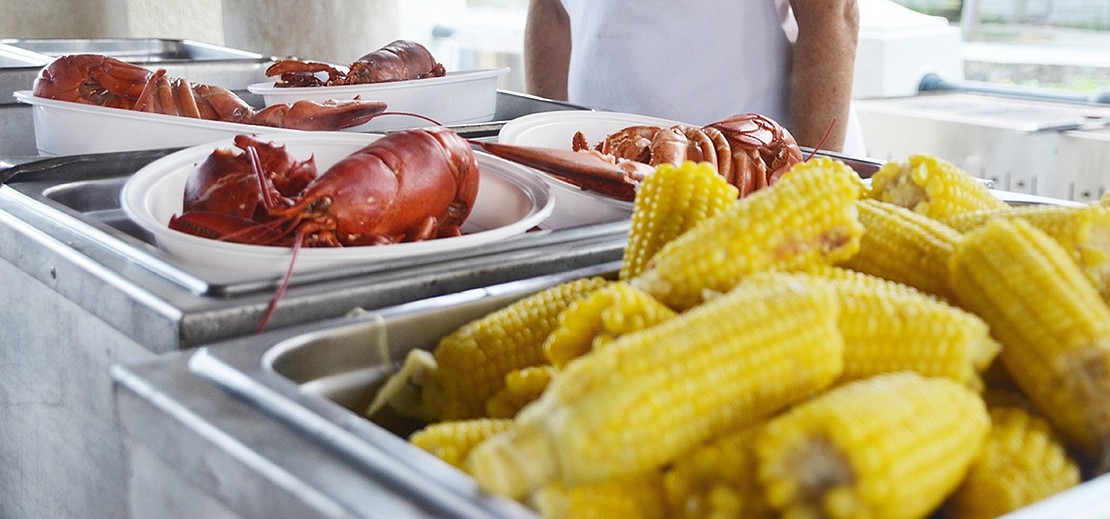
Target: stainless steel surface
[(15, 57), (196, 451), (1028, 146), (319, 379), (17, 134), (135, 50)]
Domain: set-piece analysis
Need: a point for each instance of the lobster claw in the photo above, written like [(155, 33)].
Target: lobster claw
[(313, 115), (591, 171)]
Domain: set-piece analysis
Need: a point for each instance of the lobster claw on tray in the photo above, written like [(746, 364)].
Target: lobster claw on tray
[(613, 177)]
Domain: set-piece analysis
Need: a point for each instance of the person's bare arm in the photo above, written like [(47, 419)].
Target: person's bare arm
[(824, 57), (546, 49)]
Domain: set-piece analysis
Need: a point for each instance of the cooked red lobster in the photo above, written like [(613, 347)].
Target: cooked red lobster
[(409, 185), (100, 80), (750, 150), (400, 60)]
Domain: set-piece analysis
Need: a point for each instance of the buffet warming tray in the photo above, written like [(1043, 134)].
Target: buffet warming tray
[(198, 62), (320, 378)]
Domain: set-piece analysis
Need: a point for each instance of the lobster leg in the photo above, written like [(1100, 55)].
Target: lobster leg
[(617, 178), (225, 227), (297, 73)]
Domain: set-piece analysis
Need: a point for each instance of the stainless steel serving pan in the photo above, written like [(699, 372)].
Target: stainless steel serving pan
[(73, 204), (320, 379), (198, 62)]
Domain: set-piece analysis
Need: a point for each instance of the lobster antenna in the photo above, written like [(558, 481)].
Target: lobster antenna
[(828, 132), (410, 114), (256, 165), (284, 283)]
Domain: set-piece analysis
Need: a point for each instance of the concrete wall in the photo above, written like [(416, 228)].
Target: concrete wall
[(330, 30)]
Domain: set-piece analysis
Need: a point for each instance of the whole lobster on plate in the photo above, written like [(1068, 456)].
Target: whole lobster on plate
[(750, 150), (398, 61), (103, 81), (409, 185)]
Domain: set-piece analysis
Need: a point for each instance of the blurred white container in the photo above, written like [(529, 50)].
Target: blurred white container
[(67, 128), (898, 46)]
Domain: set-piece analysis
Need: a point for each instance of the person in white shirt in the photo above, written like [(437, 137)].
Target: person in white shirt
[(700, 61)]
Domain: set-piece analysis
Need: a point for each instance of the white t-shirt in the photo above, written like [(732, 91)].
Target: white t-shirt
[(727, 57)]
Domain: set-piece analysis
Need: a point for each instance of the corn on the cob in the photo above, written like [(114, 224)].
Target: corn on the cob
[(890, 446), (469, 365), (668, 202), (1054, 328), (718, 479), (931, 186), (522, 386), (1084, 231), (807, 217), (639, 497), (1022, 462), (649, 396), (599, 318), (452, 440), (888, 327), (901, 245)]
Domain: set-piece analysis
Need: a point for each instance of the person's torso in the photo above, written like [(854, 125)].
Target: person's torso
[(695, 61)]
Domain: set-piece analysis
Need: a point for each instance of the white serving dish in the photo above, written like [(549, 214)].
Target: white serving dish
[(511, 200), (67, 128), (574, 206), (456, 98)]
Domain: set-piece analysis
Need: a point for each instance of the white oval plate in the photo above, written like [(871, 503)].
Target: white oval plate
[(68, 128), (574, 206), (456, 98), (511, 200)]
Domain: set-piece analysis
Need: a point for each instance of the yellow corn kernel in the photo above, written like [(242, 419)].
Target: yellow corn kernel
[(1084, 231), (452, 440), (890, 446), (1053, 326), (854, 276), (474, 360), (522, 386), (718, 479), (1022, 462), (807, 217), (639, 497), (469, 366), (668, 202), (901, 245), (931, 186), (599, 318), (649, 396), (890, 327)]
